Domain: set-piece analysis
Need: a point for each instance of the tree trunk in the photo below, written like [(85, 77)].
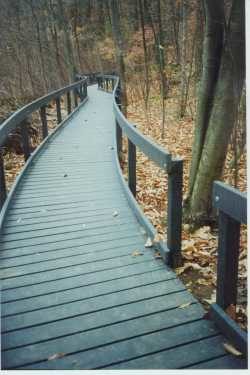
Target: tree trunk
[(116, 29), (146, 62), (40, 48), (217, 128), (183, 48), (212, 49), (68, 42)]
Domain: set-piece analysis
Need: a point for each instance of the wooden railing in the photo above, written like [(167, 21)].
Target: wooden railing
[(173, 168), (231, 204), (19, 119), (232, 207)]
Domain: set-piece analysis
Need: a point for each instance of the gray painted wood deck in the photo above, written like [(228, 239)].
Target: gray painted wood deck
[(71, 288)]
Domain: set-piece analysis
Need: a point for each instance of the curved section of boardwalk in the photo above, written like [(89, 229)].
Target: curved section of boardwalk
[(79, 290)]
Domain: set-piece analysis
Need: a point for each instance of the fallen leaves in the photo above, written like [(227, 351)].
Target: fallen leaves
[(203, 233), (194, 266), (184, 305), (149, 243), (212, 298), (232, 350), (56, 356), (157, 255), (137, 253)]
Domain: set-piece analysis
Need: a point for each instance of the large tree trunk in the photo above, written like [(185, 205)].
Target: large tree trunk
[(145, 50), (218, 109), (183, 49), (116, 28), (70, 59), (212, 49)]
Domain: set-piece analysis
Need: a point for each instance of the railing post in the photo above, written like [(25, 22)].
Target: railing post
[(227, 267), (69, 102), (81, 94), (3, 191), (85, 90), (132, 167), (118, 97), (58, 110), (75, 98), (175, 177), (25, 139), (44, 121), (118, 139)]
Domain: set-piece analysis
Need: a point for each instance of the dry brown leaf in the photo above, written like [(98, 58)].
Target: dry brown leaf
[(204, 233), (149, 242), (231, 349), (137, 253), (157, 238), (56, 356), (184, 305), (179, 270), (203, 282), (188, 244), (212, 299)]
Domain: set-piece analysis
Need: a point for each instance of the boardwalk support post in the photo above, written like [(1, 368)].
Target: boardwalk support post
[(3, 191), (58, 110), (232, 206), (132, 167), (228, 252), (75, 98), (119, 139), (25, 139), (174, 214), (68, 102), (44, 121)]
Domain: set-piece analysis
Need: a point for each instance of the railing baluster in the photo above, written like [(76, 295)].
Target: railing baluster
[(132, 167), (3, 191), (58, 110), (69, 102), (43, 116), (175, 212), (227, 267), (118, 139), (232, 206), (25, 139), (75, 98)]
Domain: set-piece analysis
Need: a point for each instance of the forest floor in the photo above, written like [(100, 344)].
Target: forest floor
[(199, 248)]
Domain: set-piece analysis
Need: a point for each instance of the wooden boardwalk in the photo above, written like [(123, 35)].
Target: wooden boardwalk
[(79, 290)]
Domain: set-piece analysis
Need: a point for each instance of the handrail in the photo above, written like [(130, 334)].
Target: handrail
[(18, 119), (173, 167), (232, 206)]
